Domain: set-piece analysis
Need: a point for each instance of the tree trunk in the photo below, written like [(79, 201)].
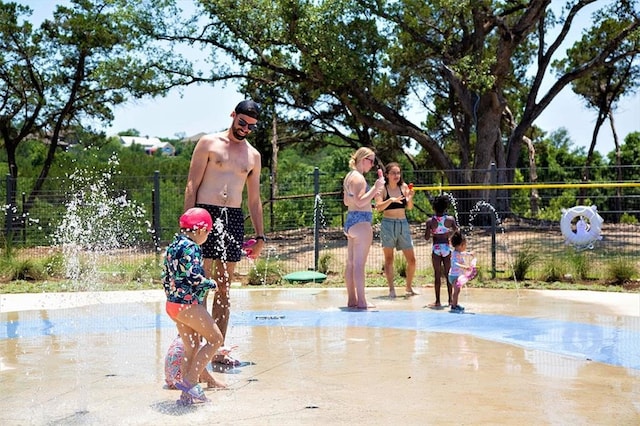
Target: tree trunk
[(616, 141), (274, 157), (37, 187), (587, 164), (534, 197)]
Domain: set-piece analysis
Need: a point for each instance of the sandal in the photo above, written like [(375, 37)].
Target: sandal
[(185, 399), (195, 392)]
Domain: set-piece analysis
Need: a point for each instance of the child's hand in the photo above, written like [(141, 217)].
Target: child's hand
[(210, 284)]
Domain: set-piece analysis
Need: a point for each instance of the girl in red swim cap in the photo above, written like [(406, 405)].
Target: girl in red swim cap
[(185, 286)]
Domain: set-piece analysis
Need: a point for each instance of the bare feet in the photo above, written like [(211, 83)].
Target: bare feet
[(411, 292), (366, 307), (392, 294), (216, 384), (212, 382)]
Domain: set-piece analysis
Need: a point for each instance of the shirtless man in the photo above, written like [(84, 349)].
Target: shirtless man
[(221, 165)]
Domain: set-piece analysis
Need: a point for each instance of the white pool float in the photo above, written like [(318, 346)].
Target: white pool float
[(587, 232)]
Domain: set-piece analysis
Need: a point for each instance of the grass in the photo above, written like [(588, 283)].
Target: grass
[(63, 286), (45, 275), (332, 281)]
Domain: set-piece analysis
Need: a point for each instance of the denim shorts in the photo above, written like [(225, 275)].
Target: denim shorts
[(395, 233)]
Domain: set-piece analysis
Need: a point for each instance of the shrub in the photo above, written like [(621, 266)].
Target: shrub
[(400, 265), (523, 261), (324, 263), (580, 265), (621, 269), (265, 272), (553, 270), (54, 265), (628, 219), (22, 269)]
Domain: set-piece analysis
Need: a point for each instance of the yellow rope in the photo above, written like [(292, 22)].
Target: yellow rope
[(527, 186)]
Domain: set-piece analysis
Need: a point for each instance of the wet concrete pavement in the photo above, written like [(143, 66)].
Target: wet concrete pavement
[(515, 357)]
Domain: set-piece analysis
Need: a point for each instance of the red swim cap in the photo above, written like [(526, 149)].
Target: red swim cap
[(196, 218)]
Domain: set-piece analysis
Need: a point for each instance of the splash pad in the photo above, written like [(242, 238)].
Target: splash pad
[(303, 345)]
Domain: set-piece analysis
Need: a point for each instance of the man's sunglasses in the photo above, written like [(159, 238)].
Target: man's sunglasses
[(243, 123)]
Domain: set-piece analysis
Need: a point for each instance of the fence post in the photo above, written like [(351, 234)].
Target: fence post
[(316, 218), (8, 213), (157, 237), (273, 192), (23, 222), (493, 192)]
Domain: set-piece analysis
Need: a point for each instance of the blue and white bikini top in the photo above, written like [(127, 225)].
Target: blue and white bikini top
[(344, 185)]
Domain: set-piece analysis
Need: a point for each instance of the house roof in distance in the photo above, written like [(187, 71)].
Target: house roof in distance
[(194, 138), (149, 144)]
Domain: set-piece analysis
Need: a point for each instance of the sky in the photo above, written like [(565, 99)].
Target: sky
[(207, 108)]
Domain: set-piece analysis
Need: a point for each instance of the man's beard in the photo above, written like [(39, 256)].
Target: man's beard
[(237, 135)]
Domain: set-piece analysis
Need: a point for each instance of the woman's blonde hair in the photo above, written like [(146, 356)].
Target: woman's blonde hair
[(359, 155)]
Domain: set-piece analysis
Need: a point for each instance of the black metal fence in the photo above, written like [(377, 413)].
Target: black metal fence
[(304, 218)]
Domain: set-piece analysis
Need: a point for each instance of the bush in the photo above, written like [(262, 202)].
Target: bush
[(553, 270), (580, 265), (324, 263), (22, 269), (400, 266), (620, 270), (265, 272), (55, 265), (523, 261), (628, 219)]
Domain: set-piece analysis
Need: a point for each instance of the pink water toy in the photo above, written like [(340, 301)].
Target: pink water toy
[(246, 246), (469, 274)]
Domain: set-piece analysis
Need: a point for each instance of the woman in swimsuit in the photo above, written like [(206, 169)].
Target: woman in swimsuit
[(357, 197), (440, 228), (395, 234)]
